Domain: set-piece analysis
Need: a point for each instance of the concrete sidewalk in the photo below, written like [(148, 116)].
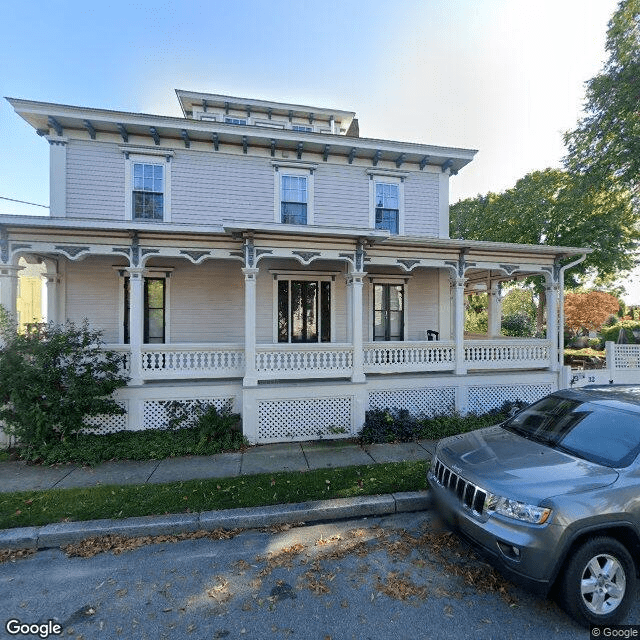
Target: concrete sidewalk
[(18, 476), (271, 458)]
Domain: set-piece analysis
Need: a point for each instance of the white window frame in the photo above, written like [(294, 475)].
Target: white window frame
[(386, 177), (243, 121), (302, 128), (395, 280), (155, 157), (149, 272), (303, 169), (315, 276)]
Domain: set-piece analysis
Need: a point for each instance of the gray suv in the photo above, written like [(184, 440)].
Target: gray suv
[(553, 496)]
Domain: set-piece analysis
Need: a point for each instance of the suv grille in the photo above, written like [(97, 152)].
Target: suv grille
[(469, 494)]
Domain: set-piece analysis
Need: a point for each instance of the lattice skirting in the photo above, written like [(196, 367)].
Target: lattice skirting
[(102, 425), (156, 415), (420, 402), (303, 419), (483, 399)]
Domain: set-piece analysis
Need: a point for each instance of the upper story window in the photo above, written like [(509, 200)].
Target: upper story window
[(302, 127), (294, 198), (388, 206), (148, 191), (386, 200), (231, 120), (147, 185)]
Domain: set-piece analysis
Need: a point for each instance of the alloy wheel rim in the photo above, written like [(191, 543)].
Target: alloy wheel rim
[(603, 584)]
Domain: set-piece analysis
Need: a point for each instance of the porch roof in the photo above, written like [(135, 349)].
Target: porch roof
[(378, 238)]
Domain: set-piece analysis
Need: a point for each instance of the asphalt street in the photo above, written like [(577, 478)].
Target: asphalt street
[(400, 576)]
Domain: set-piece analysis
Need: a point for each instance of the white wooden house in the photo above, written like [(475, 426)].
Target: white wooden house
[(264, 254)]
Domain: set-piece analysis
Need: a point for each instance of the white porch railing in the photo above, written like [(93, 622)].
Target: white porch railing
[(163, 361), (514, 353), (325, 360), (125, 352), (330, 360), (397, 357)]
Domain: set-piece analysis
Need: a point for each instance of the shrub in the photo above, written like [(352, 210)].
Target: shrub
[(52, 377), (398, 425), (595, 343), (611, 333), (209, 423), (518, 325)]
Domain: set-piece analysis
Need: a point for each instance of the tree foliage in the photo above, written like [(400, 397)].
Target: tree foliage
[(606, 142), (554, 207), (588, 310), (52, 377), (519, 300)]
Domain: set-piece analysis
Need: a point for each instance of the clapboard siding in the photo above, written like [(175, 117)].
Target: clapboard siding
[(341, 196), (211, 188), (93, 293), (207, 303), (421, 204), (95, 181), (422, 303)]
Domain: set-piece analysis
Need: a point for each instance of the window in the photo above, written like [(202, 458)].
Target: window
[(388, 312), (304, 310), (230, 120), (155, 310), (147, 181), (293, 204), (148, 191), (387, 198), (301, 127)]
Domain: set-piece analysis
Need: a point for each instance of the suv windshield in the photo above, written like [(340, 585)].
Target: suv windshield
[(594, 432)]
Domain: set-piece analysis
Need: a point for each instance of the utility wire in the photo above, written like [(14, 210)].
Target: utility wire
[(45, 206)]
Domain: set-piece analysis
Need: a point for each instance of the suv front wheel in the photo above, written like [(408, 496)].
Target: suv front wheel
[(599, 582)]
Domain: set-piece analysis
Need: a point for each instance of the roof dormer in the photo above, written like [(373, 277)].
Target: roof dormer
[(266, 114)]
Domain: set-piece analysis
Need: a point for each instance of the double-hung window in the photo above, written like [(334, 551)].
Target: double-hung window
[(147, 182), (148, 191), (388, 311), (304, 310), (387, 198), (293, 199)]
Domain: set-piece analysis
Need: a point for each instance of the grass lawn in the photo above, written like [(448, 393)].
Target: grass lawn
[(33, 508)]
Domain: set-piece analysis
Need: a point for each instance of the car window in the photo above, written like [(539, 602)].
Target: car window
[(590, 431)]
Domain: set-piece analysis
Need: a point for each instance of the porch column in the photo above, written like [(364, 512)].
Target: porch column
[(250, 373), (9, 288), (494, 309), (551, 294), (458, 325), (51, 281), (136, 322), (355, 282)]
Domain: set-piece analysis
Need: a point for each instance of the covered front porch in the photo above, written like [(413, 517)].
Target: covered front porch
[(223, 329)]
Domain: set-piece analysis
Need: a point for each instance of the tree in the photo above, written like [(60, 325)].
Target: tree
[(588, 310), (52, 377), (606, 142), (555, 207), (520, 300)]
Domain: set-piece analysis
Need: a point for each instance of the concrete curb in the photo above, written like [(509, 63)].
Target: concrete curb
[(63, 533)]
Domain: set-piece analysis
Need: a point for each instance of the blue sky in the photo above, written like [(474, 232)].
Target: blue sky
[(502, 76)]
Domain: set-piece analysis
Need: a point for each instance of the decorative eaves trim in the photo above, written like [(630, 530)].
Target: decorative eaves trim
[(390, 173)]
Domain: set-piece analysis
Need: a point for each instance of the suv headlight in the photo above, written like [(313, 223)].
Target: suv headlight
[(517, 510)]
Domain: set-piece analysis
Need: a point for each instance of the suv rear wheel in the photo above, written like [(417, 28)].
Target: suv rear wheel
[(599, 583)]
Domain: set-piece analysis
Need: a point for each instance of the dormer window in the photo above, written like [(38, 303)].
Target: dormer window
[(231, 120), (294, 198)]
